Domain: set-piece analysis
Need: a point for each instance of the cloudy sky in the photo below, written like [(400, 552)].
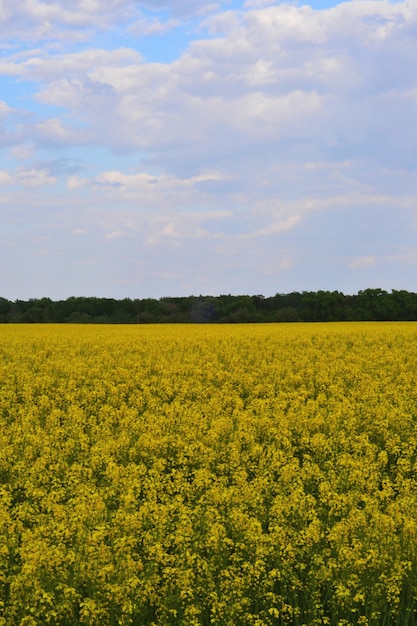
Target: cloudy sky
[(167, 148)]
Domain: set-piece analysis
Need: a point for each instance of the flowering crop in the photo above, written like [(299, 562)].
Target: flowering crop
[(192, 475)]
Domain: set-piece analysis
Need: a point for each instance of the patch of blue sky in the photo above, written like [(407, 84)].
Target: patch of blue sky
[(159, 47), (92, 160), (320, 4), (164, 48), (14, 91), (162, 37), (20, 95), (234, 5)]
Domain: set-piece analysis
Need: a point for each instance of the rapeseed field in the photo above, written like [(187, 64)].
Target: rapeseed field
[(192, 475)]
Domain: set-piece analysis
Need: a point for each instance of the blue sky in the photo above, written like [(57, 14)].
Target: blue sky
[(182, 147)]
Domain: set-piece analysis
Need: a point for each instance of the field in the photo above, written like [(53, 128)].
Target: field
[(191, 475)]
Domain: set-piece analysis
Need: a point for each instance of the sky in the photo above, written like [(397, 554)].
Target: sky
[(187, 147)]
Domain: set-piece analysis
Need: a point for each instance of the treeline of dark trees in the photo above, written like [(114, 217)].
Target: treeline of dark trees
[(307, 306)]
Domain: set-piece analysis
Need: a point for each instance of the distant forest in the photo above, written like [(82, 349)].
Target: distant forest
[(307, 306)]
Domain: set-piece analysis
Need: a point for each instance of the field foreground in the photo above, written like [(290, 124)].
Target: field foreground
[(195, 475)]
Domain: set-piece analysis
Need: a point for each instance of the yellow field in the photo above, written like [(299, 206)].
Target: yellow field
[(194, 475)]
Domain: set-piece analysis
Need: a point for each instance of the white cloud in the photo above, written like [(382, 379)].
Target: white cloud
[(34, 19), (35, 178), (277, 226), (79, 66), (5, 178), (154, 26), (22, 151), (27, 178), (278, 74), (53, 131), (362, 261), (278, 119), (75, 182), (4, 108), (150, 189), (116, 234)]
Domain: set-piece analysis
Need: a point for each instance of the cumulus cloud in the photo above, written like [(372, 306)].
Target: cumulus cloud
[(275, 118), (36, 19), (75, 182), (279, 74), (285, 75), (35, 178), (28, 178)]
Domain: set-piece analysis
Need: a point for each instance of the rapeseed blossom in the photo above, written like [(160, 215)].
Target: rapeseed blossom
[(192, 475)]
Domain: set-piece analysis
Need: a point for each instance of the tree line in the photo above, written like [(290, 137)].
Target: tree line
[(307, 306)]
